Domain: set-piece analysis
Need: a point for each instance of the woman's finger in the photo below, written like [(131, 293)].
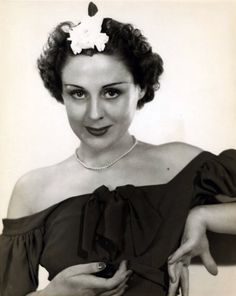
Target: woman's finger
[(117, 280), (209, 262), (172, 272), (186, 260), (104, 284), (184, 281), (87, 268), (180, 252), (117, 290), (173, 286), (120, 276)]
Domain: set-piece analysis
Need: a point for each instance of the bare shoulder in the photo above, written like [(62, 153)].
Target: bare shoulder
[(171, 158), (25, 192), (180, 151), (29, 189)]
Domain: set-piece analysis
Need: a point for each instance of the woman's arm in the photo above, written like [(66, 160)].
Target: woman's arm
[(219, 218)]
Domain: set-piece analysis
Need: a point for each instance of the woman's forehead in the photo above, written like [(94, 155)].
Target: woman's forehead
[(85, 69)]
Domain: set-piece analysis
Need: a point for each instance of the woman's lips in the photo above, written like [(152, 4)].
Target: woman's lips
[(98, 131)]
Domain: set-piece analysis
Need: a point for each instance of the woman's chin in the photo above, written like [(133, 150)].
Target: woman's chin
[(101, 140), (97, 143)]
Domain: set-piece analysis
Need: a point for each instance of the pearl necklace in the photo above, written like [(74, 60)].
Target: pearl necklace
[(110, 163)]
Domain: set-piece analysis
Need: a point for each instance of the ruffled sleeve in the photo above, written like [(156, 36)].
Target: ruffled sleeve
[(216, 176), (21, 244)]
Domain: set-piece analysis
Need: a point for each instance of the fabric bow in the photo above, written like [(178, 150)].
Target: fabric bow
[(107, 214)]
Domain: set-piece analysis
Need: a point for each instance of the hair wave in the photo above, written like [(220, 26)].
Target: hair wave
[(125, 41)]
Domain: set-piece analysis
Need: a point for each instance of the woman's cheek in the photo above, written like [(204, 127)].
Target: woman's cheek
[(128, 113), (74, 112), (126, 118), (126, 109)]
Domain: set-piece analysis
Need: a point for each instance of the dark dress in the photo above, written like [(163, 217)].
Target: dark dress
[(142, 224)]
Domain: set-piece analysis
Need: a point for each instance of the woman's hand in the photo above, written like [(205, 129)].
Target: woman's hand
[(81, 280), (179, 277), (194, 243)]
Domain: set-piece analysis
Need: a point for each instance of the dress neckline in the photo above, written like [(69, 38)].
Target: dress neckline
[(49, 208)]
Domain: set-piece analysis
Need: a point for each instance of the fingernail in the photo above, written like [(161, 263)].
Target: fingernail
[(101, 265)]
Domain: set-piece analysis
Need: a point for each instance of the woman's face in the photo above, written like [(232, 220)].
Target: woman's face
[(100, 98)]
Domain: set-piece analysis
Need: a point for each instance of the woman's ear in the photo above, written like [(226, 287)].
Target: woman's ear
[(142, 92)]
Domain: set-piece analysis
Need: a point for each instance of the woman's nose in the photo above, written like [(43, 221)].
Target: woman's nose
[(94, 109)]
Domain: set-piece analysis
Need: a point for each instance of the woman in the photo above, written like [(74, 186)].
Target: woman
[(111, 214)]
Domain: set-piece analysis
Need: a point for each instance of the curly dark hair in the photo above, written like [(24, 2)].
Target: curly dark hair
[(125, 41)]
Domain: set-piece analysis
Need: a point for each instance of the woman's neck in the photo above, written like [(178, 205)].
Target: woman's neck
[(93, 156)]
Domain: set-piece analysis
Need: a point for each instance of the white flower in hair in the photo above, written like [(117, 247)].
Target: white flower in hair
[(87, 34)]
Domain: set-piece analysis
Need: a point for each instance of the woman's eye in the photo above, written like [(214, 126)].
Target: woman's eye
[(111, 93), (78, 94)]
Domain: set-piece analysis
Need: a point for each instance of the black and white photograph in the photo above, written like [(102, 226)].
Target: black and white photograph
[(118, 148)]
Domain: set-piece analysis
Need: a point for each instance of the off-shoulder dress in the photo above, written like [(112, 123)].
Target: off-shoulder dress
[(142, 224)]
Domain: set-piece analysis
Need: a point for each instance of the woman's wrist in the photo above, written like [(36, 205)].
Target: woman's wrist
[(199, 215), (219, 218)]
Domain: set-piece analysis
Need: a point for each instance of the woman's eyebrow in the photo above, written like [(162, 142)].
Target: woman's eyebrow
[(73, 85), (107, 85), (115, 83)]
